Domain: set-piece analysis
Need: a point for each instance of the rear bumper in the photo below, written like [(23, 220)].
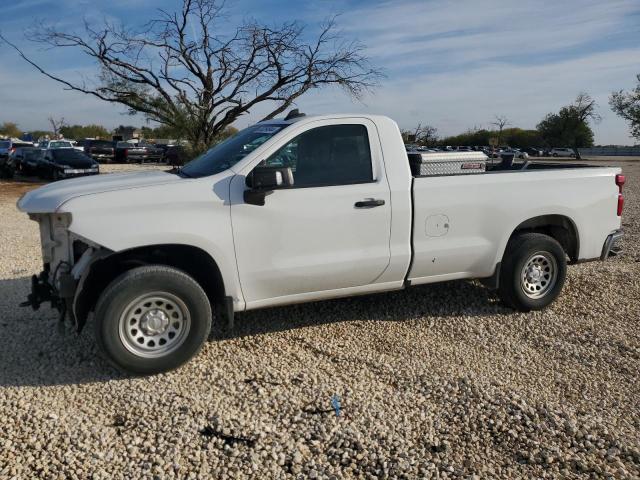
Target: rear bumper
[(612, 246)]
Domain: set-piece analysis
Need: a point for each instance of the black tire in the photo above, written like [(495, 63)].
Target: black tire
[(555, 155), (115, 303), (513, 287)]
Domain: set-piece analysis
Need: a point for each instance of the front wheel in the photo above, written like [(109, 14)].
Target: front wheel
[(152, 319), (533, 272)]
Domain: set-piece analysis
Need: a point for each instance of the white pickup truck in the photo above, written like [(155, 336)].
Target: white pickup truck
[(303, 209)]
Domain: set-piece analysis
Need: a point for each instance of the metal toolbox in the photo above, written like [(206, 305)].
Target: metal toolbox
[(445, 163)]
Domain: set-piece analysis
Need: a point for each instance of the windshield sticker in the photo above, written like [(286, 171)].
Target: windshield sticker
[(267, 130)]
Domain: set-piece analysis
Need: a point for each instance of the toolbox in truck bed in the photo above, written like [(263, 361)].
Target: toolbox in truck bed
[(444, 163)]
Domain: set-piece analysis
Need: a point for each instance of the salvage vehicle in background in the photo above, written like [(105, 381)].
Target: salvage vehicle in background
[(59, 163), (126, 152), (306, 209), (175, 155), (516, 152), (7, 166), (9, 145), (55, 144), (7, 162), (99, 150), (27, 159), (533, 151)]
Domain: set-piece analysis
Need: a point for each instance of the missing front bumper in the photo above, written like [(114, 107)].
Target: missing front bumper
[(41, 292)]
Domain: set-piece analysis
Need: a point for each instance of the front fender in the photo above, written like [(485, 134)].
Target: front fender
[(195, 213)]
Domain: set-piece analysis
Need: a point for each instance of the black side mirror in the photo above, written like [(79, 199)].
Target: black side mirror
[(263, 180)]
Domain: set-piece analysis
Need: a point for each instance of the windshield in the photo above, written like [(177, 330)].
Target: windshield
[(60, 144), (226, 154)]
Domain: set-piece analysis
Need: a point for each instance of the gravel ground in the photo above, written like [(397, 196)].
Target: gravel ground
[(439, 381)]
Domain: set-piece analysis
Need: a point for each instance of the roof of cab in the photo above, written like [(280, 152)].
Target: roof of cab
[(333, 116)]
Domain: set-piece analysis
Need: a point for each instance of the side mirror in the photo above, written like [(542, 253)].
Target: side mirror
[(263, 180)]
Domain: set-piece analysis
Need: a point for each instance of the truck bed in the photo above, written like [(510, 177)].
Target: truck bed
[(529, 165), (468, 218)]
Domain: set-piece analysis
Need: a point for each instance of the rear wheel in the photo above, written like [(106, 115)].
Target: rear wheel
[(152, 319), (533, 271)]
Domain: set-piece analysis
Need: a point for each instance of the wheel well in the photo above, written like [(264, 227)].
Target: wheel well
[(191, 260), (559, 227)]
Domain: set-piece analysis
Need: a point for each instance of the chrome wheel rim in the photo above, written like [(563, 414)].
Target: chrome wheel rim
[(539, 275), (154, 324)]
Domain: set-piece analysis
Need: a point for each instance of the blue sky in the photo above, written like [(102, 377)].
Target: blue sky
[(451, 64)]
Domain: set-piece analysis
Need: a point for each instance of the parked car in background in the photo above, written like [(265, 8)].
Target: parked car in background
[(9, 145), (27, 159), (534, 151), (100, 150), (492, 152), (7, 162), (517, 153), (54, 144), (175, 155), (77, 146), (126, 152), (59, 163), (562, 152), (7, 167)]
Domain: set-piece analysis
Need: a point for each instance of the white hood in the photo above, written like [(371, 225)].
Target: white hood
[(49, 198)]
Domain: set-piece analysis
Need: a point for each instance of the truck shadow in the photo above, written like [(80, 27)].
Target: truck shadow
[(36, 350), (425, 302)]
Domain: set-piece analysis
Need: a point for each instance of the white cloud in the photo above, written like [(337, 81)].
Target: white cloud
[(524, 94)]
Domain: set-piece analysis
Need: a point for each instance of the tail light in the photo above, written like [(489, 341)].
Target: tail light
[(620, 180)]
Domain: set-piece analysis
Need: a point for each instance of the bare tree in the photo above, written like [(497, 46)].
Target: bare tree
[(500, 122), (627, 106), (424, 135), (585, 108), (178, 71), (56, 125)]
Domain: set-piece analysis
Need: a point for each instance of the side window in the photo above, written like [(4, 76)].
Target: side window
[(331, 155)]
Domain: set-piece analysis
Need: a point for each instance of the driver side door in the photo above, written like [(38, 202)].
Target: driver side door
[(316, 235)]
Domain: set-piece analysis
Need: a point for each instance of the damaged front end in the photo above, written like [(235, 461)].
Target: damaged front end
[(65, 258)]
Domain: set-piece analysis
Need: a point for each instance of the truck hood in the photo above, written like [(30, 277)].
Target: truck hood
[(49, 198)]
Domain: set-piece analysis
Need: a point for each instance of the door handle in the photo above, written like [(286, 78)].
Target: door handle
[(369, 203)]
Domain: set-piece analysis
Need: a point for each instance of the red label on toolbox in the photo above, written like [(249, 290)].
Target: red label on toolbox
[(470, 166)]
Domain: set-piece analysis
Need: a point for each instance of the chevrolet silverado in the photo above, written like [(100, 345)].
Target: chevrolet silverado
[(304, 209)]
